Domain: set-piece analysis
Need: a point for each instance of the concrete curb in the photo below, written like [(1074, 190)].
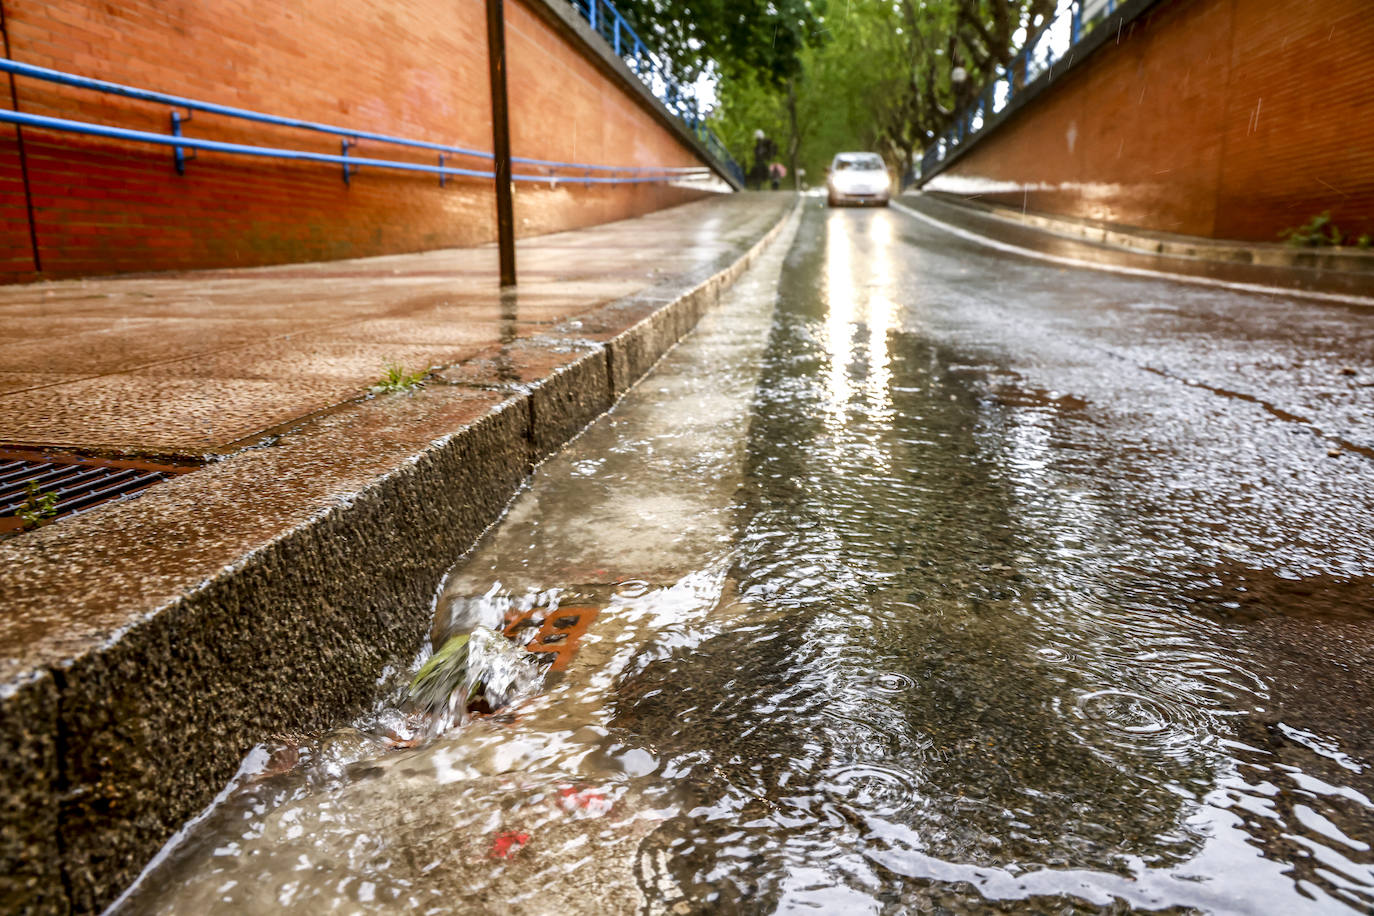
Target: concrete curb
[(1173, 245), (267, 593)]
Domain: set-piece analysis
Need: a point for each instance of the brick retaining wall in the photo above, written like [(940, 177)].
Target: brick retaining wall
[(411, 68), (1223, 118)]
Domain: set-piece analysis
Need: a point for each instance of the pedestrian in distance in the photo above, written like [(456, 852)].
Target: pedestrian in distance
[(776, 173), (764, 151)]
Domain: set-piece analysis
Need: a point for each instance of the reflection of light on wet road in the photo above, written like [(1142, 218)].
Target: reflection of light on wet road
[(858, 297), (840, 311), (1002, 576), (881, 290)]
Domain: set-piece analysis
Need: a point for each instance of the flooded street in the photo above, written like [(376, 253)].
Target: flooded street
[(921, 578)]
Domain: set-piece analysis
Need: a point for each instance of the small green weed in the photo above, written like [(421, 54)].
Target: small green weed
[(1318, 232), (38, 508), (1363, 242), (396, 378)]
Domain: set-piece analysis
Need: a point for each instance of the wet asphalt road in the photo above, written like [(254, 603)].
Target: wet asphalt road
[(979, 585), (1076, 576)]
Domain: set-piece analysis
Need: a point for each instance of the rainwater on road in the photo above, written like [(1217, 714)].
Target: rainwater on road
[(924, 579)]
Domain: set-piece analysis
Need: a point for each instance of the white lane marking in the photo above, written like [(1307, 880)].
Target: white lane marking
[(1136, 271)]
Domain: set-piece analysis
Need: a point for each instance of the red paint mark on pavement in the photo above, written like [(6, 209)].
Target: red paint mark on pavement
[(507, 843)]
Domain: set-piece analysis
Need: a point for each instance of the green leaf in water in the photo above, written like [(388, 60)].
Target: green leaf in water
[(442, 674)]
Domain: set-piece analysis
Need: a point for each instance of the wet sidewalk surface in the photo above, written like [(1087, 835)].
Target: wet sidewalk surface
[(1339, 285), (201, 362)]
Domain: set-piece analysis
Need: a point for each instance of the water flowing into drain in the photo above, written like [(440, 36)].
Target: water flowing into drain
[(479, 672)]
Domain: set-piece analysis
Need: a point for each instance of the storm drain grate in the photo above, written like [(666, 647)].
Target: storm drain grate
[(51, 486), (560, 633)]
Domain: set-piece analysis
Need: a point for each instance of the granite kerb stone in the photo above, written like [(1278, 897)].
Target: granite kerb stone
[(633, 352), (31, 880)]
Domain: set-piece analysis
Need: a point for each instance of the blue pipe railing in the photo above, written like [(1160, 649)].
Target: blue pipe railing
[(678, 97), (1072, 22), (349, 138)]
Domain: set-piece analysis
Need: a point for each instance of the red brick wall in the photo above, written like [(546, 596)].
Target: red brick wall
[(412, 68), (1225, 118)]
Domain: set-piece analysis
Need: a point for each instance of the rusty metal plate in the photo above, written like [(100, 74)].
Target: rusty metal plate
[(559, 634)]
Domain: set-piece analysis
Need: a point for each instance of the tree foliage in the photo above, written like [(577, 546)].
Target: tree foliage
[(748, 40), (881, 77)]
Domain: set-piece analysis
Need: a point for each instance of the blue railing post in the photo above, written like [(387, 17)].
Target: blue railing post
[(179, 153), (348, 170), (646, 66), (1026, 65), (349, 162)]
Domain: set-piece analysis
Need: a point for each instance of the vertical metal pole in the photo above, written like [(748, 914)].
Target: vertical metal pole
[(23, 154), (177, 155), (500, 134)]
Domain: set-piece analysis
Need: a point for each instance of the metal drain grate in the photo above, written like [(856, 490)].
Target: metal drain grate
[(77, 484), (560, 633)]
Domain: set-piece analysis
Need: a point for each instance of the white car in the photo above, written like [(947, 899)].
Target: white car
[(859, 178)]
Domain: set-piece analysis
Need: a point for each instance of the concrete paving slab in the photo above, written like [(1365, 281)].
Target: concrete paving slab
[(148, 644), (212, 326), (127, 344), (416, 331), (162, 416), (357, 362), (21, 381)]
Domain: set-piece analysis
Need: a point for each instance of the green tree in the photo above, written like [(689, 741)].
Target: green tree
[(750, 40), (828, 104), (883, 78)]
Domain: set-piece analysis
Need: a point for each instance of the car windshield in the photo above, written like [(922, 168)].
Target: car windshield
[(866, 162)]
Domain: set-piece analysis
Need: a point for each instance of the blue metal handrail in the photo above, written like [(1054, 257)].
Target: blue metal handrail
[(677, 97), (1071, 23), (349, 137)]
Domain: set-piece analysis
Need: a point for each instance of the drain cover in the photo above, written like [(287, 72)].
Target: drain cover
[(51, 486), (560, 633)]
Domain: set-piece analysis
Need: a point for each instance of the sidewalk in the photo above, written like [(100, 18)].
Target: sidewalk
[(148, 644), (1339, 276), (204, 362)]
